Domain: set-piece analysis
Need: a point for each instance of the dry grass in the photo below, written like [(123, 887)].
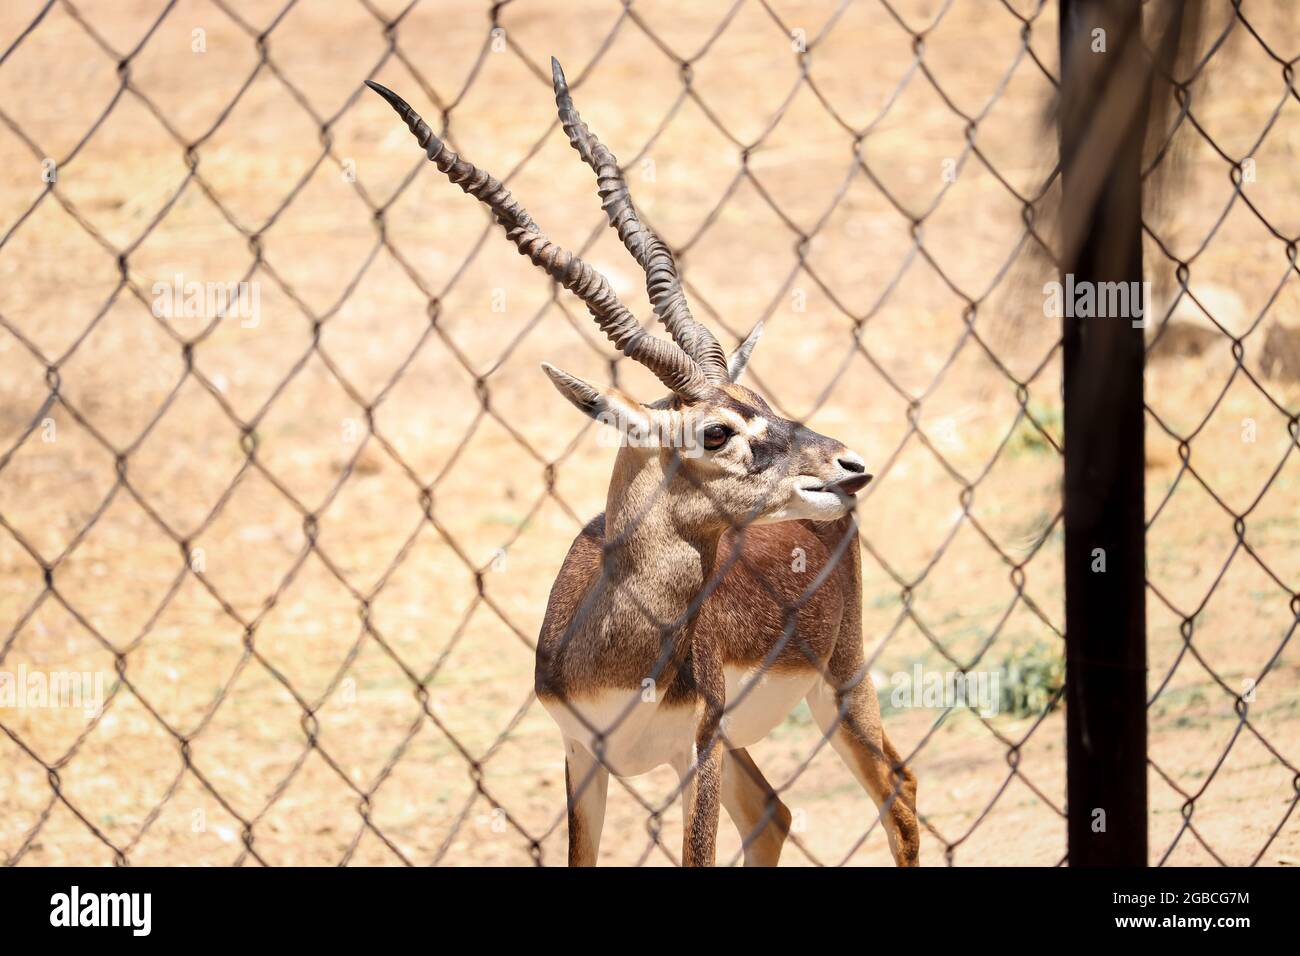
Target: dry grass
[(493, 514)]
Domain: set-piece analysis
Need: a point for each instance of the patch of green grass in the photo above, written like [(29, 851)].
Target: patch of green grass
[(886, 699), (1028, 440), (795, 721), (1031, 678), (505, 518)]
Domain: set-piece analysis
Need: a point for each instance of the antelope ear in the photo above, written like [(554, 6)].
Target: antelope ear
[(740, 358), (608, 406)]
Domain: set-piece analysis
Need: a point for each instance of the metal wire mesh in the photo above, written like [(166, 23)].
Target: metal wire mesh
[(1240, 335), (508, 805)]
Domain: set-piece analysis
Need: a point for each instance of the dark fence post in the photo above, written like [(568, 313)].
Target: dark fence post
[(1103, 113)]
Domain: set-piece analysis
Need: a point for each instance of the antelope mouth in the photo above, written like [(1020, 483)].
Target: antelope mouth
[(844, 488), (849, 486)]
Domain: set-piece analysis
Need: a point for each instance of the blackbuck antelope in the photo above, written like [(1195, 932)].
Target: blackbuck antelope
[(721, 586)]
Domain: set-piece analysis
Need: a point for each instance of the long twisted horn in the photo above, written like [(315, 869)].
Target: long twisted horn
[(662, 283), (668, 362)]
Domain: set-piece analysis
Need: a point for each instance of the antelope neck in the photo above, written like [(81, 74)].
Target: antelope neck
[(655, 557)]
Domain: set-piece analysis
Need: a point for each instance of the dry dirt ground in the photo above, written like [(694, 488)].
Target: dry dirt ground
[(371, 500)]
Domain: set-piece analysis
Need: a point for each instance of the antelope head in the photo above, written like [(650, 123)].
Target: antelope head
[(725, 455)]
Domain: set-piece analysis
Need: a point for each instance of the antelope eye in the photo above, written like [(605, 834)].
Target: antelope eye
[(715, 436)]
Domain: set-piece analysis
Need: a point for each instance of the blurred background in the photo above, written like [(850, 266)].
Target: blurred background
[(310, 543)]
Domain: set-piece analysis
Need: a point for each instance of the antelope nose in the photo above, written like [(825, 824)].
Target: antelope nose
[(857, 477), (851, 462)]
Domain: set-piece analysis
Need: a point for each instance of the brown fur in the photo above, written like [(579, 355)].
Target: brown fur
[(745, 615), (675, 584), (760, 816)]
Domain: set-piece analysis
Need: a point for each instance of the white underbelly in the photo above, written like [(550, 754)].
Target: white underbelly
[(637, 732), (758, 702)]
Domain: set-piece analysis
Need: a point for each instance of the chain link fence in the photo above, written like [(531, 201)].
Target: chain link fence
[(1224, 274), (279, 468)]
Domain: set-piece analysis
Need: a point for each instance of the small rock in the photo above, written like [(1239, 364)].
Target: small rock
[(1188, 331), (1280, 357)]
